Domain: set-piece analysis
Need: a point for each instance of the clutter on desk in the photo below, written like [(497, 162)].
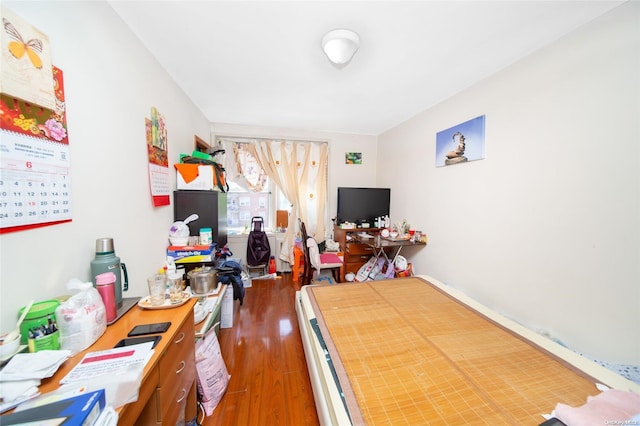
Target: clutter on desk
[(179, 231), (206, 236), (192, 254), (184, 248), (118, 371), (33, 365), (14, 393), (39, 322), (105, 284), (348, 225), (77, 410), (203, 280), (10, 348), (106, 261), (82, 318)]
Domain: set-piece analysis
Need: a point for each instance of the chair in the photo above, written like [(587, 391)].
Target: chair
[(315, 261), (298, 263)]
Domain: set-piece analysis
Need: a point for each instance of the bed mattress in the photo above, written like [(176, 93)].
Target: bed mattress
[(411, 351)]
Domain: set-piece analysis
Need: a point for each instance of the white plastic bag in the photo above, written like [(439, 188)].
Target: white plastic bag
[(82, 318), (212, 373)]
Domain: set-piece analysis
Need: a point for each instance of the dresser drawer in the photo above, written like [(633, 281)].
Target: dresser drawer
[(173, 394), (180, 351), (357, 258), (359, 249), (177, 374), (173, 398)]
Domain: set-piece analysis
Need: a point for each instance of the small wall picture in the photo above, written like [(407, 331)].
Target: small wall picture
[(353, 158), (461, 143)]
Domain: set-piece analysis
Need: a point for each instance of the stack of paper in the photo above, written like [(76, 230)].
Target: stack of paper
[(118, 371), (21, 376), (36, 365)]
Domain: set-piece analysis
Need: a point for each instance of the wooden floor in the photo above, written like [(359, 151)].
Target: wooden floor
[(263, 352)]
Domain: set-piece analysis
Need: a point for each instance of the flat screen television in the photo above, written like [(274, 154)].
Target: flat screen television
[(359, 205)]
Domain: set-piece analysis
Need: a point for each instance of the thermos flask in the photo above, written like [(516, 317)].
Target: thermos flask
[(107, 261), (105, 284)]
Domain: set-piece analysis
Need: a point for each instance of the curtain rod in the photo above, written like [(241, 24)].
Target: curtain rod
[(248, 139)]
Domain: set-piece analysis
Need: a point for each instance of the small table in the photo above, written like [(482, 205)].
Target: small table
[(379, 243)]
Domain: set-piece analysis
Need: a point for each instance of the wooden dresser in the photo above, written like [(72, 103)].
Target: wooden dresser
[(168, 389), (356, 253)]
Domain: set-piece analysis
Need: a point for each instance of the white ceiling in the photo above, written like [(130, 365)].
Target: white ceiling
[(260, 62)]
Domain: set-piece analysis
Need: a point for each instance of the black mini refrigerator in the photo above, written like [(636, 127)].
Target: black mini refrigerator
[(210, 206)]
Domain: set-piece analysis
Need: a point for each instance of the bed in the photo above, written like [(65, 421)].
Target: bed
[(415, 351)]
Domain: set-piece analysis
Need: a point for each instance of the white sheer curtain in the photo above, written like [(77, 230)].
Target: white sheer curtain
[(299, 170)]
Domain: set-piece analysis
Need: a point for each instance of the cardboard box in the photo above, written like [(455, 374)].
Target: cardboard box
[(191, 254), (80, 410), (195, 176)]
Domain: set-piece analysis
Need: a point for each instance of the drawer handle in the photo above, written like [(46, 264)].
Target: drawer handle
[(184, 394), (179, 339), (182, 366)]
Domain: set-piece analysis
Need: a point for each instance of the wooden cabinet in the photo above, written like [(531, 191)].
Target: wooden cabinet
[(176, 372)]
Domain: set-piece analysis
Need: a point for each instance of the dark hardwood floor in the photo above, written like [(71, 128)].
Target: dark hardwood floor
[(263, 353)]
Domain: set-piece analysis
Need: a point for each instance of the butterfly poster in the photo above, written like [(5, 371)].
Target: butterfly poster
[(25, 61)]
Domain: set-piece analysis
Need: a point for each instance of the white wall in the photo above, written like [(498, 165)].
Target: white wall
[(546, 229), (111, 83)]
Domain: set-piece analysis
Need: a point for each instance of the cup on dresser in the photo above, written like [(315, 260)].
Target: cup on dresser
[(157, 285), (174, 282)]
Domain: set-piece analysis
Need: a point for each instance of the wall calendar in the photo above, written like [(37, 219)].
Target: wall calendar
[(35, 186), (35, 178)]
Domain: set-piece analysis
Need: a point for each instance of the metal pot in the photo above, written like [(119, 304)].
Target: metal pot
[(203, 281)]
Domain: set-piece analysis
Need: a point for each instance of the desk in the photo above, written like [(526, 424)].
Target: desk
[(358, 250), (381, 245), (162, 394)]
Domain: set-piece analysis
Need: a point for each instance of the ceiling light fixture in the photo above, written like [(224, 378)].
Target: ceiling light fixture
[(340, 46)]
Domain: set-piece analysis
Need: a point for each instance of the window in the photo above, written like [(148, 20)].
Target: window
[(252, 194), (242, 205)]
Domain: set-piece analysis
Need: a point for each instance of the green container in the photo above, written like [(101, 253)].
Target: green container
[(41, 315), (50, 342)]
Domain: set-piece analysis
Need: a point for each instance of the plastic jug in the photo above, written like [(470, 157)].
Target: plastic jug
[(107, 261)]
